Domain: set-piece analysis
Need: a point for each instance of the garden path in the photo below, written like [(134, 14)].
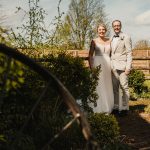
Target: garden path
[(135, 128)]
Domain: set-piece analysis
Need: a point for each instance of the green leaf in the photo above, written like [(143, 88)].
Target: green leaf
[(2, 69), (14, 84), (21, 80), (2, 138), (20, 72)]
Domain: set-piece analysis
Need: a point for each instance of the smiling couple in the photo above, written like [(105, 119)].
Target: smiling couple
[(115, 57)]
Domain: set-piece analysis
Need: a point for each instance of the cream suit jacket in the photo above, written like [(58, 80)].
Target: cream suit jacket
[(121, 55)]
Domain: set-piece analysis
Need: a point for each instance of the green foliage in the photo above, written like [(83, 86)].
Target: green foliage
[(136, 81), (147, 83), (73, 73), (25, 142), (105, 128), (146, 91), (72, 138), (5, 37), (3, 33), (80, 23), (2, 138), (133, 95), (145, 95), (11, 73), (139, 87), (51, 114), (116, 146), (32, 33)]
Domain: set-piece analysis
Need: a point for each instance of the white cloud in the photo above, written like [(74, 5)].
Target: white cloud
[(16, 19), (134, 14), (143, 19), (128, 11)]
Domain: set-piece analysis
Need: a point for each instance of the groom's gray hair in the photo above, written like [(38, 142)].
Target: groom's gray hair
[(117, 21)]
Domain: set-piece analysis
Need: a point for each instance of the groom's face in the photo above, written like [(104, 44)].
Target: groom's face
[(117, 26)]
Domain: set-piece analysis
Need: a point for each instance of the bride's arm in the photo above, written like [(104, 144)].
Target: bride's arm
[(110, 41), (91, 52)]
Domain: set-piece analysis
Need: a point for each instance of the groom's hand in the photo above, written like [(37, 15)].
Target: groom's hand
[(127, 71)]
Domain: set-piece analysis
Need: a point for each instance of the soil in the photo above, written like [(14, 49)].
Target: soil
[(135, 127)]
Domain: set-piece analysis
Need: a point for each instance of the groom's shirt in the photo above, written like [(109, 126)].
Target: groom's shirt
[(115, 41)]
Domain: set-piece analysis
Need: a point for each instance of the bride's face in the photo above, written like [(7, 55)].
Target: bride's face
[(101, 31)]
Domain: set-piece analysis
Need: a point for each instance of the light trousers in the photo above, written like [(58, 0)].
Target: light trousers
[(120, 83)]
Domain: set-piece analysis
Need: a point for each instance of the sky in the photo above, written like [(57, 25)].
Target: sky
[(134, 14)]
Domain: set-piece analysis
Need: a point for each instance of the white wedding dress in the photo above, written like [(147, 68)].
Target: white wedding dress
[(105, 102)]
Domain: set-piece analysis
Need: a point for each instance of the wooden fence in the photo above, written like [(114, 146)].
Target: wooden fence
[(141, 59)]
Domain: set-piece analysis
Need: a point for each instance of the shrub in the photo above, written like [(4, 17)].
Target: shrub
[(117, 146), (72, 138), (104, 127), (133, 95), (136, 81), (11, 74), (145, 95), (73, 73), (51, 114)]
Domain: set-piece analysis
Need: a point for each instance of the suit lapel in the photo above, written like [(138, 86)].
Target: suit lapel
[(118, 43), (111, 39)]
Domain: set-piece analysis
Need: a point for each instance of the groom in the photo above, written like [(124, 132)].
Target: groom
[(121, 59)]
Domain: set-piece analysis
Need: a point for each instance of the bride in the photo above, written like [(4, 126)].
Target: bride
[(99, 54)]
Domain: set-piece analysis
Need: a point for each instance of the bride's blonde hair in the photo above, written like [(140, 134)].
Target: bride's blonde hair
[(102, 25)]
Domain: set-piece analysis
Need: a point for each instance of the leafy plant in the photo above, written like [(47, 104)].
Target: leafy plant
[(33, 33), (117, 146), (73, 73), (105, 128), (11, 73), (80, 23), (136, 81), (51, 114)]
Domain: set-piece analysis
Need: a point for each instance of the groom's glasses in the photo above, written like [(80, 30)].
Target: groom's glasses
[(116, 25)]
